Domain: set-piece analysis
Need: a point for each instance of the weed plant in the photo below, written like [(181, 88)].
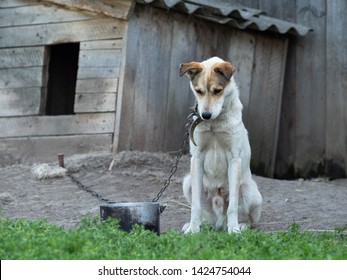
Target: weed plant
[(93, 239)]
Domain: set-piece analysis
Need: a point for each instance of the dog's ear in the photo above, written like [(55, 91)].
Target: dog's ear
[(191, 69), (226, 69)]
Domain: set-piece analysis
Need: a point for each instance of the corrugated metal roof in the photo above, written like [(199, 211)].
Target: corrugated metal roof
[(221, 11)]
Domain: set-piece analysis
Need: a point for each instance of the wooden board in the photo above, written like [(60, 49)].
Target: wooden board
[(156, 69), (336, 114), (241, 54), (287, 137), (21, 57), (120, 94), (113, 8), (20, 77), (95, 102), (102, 45), (16, 3), (179, 98), (98, 72), (57, 125), (40, 14), (20, 101), (145, 84), (99, 58), (108, 28), (311, 89), (97, 85), (265, 103), (46, 148), (285, 10)]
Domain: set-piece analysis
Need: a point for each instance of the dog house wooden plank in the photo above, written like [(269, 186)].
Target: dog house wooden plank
[(16, 3), (113, 8), (156, 70), (336, 98), (45, 148), (57, 125), (100, 58), (143, 115), (241, 54), (311, 88), (38, 14), (180, 98), (97, 85), (21, 57), (98, 72), (106, 28), (123, 134), (102, 44), (95, 102), (20, 101), (265, 102), (21, 77)]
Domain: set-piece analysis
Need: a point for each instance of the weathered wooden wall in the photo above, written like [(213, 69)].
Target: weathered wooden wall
[(155, 100), (313, 129), (312, 137), (26, 27)]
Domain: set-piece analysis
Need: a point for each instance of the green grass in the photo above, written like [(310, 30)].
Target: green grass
[(92, 239)]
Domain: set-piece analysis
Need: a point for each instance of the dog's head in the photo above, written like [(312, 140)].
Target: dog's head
[(209, 81)]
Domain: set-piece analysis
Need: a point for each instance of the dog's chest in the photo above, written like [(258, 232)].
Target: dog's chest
[(215, 146), (213, 138), (215, 168)]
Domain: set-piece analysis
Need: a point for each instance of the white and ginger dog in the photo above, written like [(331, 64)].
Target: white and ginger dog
[(220, 187)]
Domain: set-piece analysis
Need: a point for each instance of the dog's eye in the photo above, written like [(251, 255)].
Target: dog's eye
[(199, 91), (217, 91)]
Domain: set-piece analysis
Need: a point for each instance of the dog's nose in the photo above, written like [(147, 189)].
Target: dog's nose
[(206, 115)]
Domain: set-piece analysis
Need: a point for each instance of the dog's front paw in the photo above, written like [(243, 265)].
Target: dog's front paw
[(185, 227), (234, 229), (189, 228), (239, 228)]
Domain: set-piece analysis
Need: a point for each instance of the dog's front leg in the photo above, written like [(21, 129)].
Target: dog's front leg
[(196, 170), (234, 173)]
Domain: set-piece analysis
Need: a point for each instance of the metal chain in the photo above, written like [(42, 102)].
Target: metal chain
[(87, 189), (168, 180), (174, 167), (179, 156)]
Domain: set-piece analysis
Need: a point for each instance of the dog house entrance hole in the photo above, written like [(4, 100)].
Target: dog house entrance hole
[(62, 75)]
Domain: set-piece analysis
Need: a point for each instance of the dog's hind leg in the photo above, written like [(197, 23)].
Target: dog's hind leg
[(187, 188), (250, 202)]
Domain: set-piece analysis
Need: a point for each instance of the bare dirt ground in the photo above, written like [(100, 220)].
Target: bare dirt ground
[(316, 204)]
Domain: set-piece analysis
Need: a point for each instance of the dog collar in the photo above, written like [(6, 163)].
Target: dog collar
[(192, 128), (195, 122)]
